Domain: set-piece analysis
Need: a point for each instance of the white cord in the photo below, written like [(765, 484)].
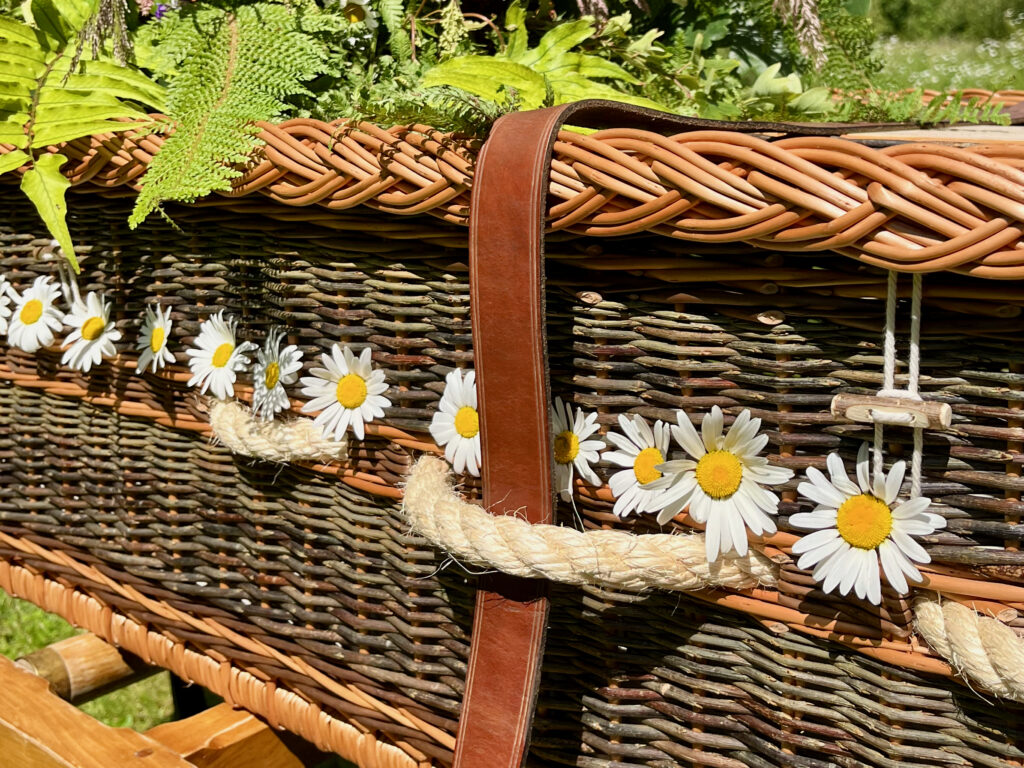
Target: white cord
[(889, 379)]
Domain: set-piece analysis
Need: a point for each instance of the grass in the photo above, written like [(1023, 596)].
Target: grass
[(24, 628), (950, 63)]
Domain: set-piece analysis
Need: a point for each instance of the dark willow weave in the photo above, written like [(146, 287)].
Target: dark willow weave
[(325, 572)]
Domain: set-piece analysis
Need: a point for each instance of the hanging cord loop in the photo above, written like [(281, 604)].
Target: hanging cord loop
[(894, 417)]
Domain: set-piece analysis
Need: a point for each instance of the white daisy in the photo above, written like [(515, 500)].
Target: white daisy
[(6, 291), (723, 485), (275, 369), (346, 391), (572, 449), (92, 334), (642, 450), (456, 425), (218, 357), (856, 525), (359, 11), (153, 336), (36, 317)]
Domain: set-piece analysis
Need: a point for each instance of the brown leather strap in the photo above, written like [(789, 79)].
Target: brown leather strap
[(507, 287)]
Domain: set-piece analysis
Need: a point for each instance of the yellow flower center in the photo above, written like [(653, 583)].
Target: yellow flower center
[(864, 521), (92, 328), (272, 376), (719, 474), (467, 422), (156, 339), (31, 312), (644, 465), (351, 392), (354, 13), (222, 355), (567, 446)]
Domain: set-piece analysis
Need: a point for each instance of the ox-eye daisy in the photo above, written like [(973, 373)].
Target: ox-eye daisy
[(153, 336), (36, 317), (456, 425), (723, 483), (346, 391), (93, 333), (856, 525), (5, 302), (642, 451), (573, 451), (217, 357), (275, 369)]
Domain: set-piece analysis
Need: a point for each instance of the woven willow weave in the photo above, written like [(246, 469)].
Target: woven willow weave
[(684, 273)]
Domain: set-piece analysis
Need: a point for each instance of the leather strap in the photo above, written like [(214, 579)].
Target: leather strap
[(509, 202)]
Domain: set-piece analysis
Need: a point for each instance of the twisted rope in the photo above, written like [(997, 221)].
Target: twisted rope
[(610, 559), (281, 440), (909, 207), (982, 649)]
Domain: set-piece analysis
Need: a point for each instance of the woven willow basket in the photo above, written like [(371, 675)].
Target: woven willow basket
[(299, 591)]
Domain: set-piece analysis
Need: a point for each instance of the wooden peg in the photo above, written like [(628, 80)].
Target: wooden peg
[(897, 411), (83, 667)]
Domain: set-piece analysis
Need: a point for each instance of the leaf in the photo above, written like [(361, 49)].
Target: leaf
[(60, 20), (488, 77), (106, 77), (515, 23), (556, 42), (18, 33), (45, 186), (812, 102), (12, 160)]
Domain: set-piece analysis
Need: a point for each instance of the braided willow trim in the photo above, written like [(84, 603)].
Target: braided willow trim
[(220, 677), (280, 708), (911, 207)]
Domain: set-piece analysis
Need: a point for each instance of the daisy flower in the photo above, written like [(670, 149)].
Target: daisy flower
[(35, 317), (218, 356), (152, 343), (856, 525), (456, 425), (346, 391), (275, 369), (359, 11), (572, 449), (723, 481), (93, 333), (642, 451), (5, 302)]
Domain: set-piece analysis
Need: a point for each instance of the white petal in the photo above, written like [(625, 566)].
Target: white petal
[(687, 436), (894, 481), (711, 429)]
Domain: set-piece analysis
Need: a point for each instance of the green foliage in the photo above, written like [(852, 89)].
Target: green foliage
[(881, 106), (550, 73), (44, 100), (231, 69), (392, 13), (973, 20), (850, 38), (453, 30)]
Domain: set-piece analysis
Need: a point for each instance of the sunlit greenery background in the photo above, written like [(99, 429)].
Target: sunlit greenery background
[(938, 44)]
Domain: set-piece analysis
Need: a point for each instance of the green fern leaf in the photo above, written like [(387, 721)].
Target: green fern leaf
[(45, 186), (233, 70), (392, 13)]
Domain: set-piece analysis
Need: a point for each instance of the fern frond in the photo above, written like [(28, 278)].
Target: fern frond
[(46, 100), (234, 69), (392, 13)]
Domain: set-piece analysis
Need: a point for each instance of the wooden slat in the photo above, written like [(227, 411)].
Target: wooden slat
[(222, 737), (38, 730)]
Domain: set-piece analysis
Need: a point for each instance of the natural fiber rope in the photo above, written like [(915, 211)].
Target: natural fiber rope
[(910, 207), (982, 649), (281, 708), (280, 440), (606, 558)]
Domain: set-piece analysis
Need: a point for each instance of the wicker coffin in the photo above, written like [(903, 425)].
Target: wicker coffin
[(297, 589)]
